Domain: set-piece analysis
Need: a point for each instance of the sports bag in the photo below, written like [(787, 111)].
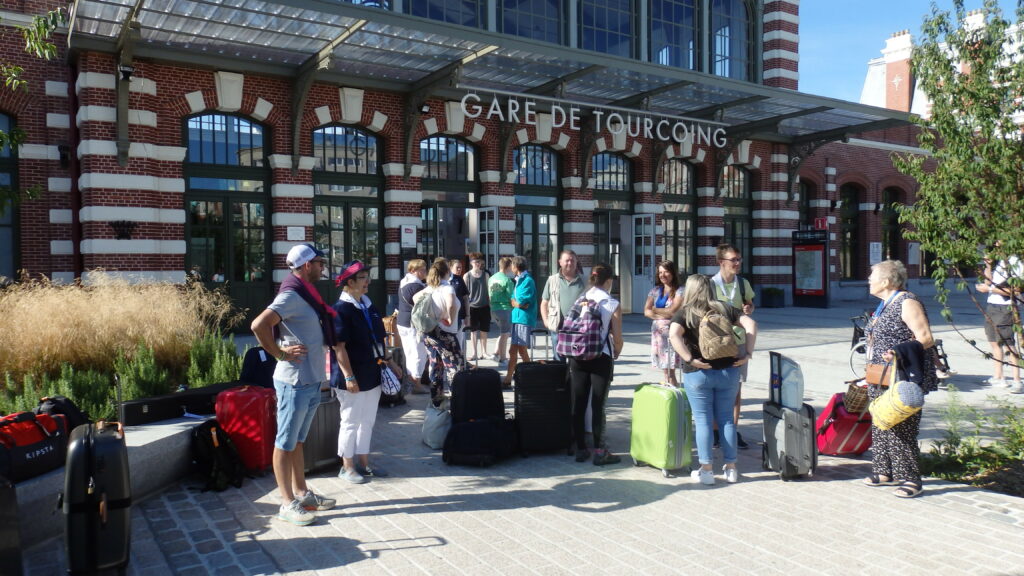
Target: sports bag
[(216, 457), (716, 336), (424, 314), (580, 336), (62, 405), (32, 444)]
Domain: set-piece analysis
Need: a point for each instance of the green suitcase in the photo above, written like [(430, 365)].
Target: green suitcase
[(661, 432)]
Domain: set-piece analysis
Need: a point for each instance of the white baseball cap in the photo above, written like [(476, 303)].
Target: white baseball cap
[(302, 253)]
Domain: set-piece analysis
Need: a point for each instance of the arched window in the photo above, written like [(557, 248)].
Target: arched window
[(610, 174), (674, 39), (8, 217), (731, 39), (226, 203), (680, 218), (537, 191), (347, 213), (606, 26), (849, 238), (450, 188), (535, 19), (472, 13), (738, 204)]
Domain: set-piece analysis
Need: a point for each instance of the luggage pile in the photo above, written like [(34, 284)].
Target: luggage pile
[(788, 424)]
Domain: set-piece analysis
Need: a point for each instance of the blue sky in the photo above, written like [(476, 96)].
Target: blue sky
[(838, 37)]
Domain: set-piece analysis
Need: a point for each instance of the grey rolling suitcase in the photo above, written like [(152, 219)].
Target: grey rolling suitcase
[(789, 435), (320, 450)]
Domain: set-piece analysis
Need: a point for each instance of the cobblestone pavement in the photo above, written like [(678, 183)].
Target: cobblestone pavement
[(547, 514)]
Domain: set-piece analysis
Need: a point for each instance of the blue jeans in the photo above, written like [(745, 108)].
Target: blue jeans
[(296, 406), (712, 394)]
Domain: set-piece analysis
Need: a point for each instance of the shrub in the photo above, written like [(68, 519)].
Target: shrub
[(91, 391), (140, 375), (213, 359)]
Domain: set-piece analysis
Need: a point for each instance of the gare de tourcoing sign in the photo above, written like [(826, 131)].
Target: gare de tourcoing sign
[(569, 116)]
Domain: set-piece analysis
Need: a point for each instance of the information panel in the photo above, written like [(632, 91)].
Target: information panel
[(810, 268)]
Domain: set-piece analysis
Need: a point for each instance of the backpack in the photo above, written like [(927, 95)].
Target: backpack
[(62, 405), (424, 314), (580, 336), (716, 336), (216, 457)]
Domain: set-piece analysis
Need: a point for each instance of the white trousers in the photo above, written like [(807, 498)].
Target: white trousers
[(415, 352), (358, 414)]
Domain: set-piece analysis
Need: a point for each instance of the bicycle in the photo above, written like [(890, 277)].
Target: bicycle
[(859, 349)]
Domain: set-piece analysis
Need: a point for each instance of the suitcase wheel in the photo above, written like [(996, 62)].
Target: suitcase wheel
[(665, 472), (765, 463), (637, 462)]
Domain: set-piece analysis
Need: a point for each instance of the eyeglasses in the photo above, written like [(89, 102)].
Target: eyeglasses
[(733, 260)]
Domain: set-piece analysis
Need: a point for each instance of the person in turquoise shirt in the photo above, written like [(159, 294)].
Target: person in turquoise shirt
[(524, 316)]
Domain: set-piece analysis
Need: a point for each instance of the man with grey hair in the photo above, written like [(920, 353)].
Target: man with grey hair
[(561, 291)]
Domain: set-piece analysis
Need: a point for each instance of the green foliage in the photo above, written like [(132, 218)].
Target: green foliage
[(140, 375), (91, 391), (970, 185), (213, 359), (987, 443)]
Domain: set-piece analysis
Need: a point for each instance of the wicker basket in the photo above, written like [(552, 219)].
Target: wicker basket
[(856, 398)]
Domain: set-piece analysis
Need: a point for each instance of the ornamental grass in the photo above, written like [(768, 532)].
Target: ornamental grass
[(44, 325)]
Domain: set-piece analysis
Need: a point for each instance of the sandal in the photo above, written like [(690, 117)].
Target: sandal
[(907, 490), (876, 480)]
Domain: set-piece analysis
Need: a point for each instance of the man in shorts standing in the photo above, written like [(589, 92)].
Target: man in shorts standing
[(1001, 313), (524, 315), (306, 327)]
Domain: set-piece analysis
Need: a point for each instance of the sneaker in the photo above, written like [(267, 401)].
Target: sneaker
[(375, 471), (998, 382), (1016, 387), (703, 476), (582, 454), (943, 385), (732, 475), (717, 443), (942, 374), (313, 501), (352, 476), (294, 512), (741, 443), (602, 457)]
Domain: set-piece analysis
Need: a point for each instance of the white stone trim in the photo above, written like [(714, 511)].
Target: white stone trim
[(195, 100), (136, 277), (581, 249), (58, 184), (710, 211), (95, 80), (830, 187), (93, 180), (292, 219), (563, 141), (262, 109), (769, 195), (783, 54), (768, 251), (707, 231), (414, 196), (820, 203), (284, 162), (867, 206), (506, 249), (109, 246), (649, 209), (378, 122), (783, 233), (781, 35), (281, 247), (572, 182), (773, 270), (109, 114), (392, 274), (705, 191), (707, 270), (135, 150), (576, 204), (454, 118), (784, 16), (779, 158), (60, 121), (579, 227), (832, 219), (707, 251), (543, 128), (489, 176), (522, 136), (351, 102), (510, 177), (323, 114), (430, 126), (112, 213), (281, 274), (489, 200), (399, 221), (62, 278), (642, 187), (392, 248), (57, 89), (506, 225), (393, 169), (230, 86), (780, 177), (291, 190), (60, 216), (479, 130), (831, 171), (38, 152), (775, 214), (62, 247), (781, 73)]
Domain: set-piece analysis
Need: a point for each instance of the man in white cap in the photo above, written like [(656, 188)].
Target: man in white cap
[(296, 329)]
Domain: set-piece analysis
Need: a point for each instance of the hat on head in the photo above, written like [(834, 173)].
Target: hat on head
[(302, 253), (349, 270)]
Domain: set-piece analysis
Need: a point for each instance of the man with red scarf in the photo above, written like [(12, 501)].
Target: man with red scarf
[(297, 329)]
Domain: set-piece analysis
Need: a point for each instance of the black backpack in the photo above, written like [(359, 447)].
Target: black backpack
[(63, 405), (216, 458)]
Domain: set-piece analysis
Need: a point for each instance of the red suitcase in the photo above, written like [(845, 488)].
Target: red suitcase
[(841, 433), (249, 416)]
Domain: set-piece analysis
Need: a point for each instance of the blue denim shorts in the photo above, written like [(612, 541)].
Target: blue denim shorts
[(521, 335), (296, 406)]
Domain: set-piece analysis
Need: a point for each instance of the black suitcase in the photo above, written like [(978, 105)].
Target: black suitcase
[(258, 368), (175, 405), (480, 442), (97, 499), (320, 450), (543, 406), (476, 394), (10, 531), (789, 441)]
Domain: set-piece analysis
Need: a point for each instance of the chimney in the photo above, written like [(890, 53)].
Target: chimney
[(899, 80)]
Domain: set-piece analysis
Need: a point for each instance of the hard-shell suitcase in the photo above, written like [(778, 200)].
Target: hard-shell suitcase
[(97, 499), (543, 407), (661, 430), (258, 368), (10, 528), (320, 450), (789, 445), (840, 432), (249, 415), (476, 393), (174, 405)]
